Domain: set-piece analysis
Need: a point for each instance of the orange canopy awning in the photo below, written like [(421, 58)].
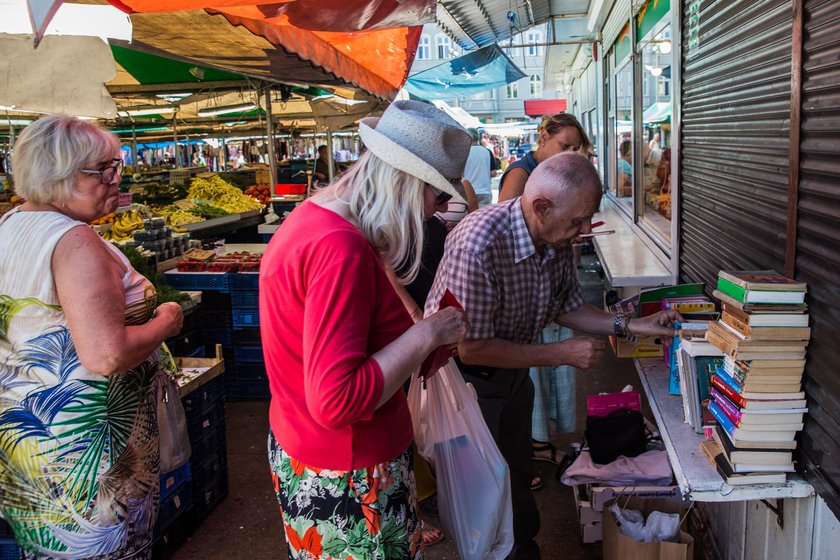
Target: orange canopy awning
[(368, 43)]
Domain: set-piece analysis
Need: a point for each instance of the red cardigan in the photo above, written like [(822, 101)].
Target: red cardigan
[(326, 306)]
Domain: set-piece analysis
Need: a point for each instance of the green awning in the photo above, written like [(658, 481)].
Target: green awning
[(657, 113)]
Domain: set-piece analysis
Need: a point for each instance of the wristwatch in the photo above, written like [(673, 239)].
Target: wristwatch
[(619, 328)]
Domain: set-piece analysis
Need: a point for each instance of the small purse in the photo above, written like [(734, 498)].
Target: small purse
[(622, 432), (175, 448)]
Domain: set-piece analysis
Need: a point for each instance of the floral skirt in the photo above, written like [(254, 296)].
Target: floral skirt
[(364, 514)]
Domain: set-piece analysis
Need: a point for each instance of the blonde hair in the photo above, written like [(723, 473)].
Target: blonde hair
[(50, 151), (553, 124), (387, 206)]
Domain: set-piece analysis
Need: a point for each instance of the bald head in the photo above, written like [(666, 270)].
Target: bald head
[(565, 176)]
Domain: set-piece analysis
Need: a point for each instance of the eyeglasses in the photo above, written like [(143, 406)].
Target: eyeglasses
[(440, 196), (106, 174)]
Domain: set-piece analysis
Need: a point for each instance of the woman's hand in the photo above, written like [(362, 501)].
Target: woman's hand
[(447, 326), (171, 316)]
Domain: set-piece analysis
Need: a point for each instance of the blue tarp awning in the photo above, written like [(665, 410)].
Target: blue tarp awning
[(478, 71)]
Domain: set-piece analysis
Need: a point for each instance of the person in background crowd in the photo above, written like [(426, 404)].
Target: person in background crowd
[(557, 133), (625, 168), (478, 171), (79, 338), (339, 344), (495, 164), (322, 165), (510, 265)]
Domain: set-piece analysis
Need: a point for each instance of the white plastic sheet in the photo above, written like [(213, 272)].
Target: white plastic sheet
[(473, 479)]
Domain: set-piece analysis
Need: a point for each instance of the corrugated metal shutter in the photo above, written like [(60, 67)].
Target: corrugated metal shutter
[(735, 138), (818, 243), (619, 15)]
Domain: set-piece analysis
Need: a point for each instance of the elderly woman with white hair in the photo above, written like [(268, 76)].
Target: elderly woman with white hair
[(339, 344), (79, 338)]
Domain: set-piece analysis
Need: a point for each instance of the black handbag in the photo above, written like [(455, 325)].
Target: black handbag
[(622, 432)]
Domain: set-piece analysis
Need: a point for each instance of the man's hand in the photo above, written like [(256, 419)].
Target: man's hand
[(582, 352), (660, 324)]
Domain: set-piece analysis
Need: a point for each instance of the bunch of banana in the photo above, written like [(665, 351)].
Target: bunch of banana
[(125, 224)]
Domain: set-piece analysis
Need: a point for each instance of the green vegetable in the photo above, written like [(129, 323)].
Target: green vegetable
[(146, 267)]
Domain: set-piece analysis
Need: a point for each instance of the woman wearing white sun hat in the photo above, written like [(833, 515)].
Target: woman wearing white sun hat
[(339, 344)]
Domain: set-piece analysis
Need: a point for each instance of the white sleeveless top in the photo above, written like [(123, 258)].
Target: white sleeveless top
[(64, 487)]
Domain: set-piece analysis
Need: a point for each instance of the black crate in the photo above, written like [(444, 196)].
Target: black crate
[(193, 318), (179, 502), (166, 541), (171, 481), (186, 342), (244, 282), (202, 426), (200, 401), (245, 318), (248, 354), (223, 336), (244, 300), (214, 301), (247, 336)]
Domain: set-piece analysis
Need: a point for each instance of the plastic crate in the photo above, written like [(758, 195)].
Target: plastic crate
[(208, 443), (251, 354), (247, 336), (244, 282), (9, 549), (197, 281), (179, 501), (215, 301), (223, 336), (171, 481), (244, 300), (200, 401), (186, 342), (214, 491), (245, 318), (210, 421)]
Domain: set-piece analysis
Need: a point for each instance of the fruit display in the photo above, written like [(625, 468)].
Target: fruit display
[(260, 192), (231, 262), (106, 219), (123, 226), (222, 195), (158, 238)]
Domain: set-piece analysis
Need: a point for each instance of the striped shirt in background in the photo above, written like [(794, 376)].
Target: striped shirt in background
[(507, 289)]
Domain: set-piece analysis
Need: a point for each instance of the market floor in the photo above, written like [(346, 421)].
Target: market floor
[(247, 525)]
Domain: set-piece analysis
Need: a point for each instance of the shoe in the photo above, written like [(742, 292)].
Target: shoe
[(431, 536), (539, 446), (564, 464), (536, 484)]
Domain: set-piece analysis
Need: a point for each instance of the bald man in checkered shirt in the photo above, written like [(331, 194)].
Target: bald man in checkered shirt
[(511, 267)]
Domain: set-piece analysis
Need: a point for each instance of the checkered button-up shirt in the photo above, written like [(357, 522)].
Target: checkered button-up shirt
[(507, 288)]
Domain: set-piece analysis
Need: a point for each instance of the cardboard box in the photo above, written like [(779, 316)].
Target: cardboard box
[(600, 495), (622, 547), (644, 347)]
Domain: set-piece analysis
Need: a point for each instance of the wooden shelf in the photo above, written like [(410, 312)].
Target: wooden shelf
[(697, 479)]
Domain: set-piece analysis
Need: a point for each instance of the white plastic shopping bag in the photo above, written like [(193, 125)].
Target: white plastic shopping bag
[(473, 480)]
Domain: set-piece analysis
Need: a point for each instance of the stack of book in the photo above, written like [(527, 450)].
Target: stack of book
[(756, 396)]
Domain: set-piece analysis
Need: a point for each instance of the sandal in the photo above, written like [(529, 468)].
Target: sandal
[(536, 484), (431, 536), (538, 447)]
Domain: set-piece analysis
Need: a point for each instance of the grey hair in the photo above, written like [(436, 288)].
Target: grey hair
[(387, 206), (563, 173), (50, 151), (474, 134)]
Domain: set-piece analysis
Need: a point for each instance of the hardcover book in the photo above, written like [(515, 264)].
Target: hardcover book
[(747, 295), (757, 308), (762, 280)]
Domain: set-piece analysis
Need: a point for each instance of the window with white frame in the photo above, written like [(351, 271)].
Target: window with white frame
[(424, 48), (443, 44), (536, 85), (512, 90), (533, 39)]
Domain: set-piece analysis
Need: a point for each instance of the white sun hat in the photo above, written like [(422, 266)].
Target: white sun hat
[(421, 140)]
